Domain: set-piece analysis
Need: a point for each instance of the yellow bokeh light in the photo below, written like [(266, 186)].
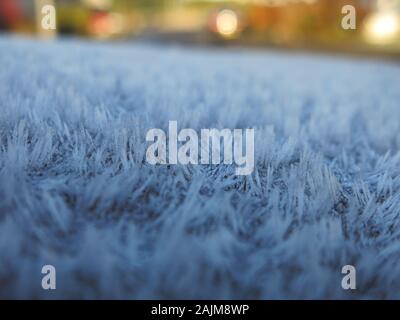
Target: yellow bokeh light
[(227, 23), (382, 28)]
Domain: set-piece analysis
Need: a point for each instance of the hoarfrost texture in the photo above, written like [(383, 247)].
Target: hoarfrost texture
[(77, 193)]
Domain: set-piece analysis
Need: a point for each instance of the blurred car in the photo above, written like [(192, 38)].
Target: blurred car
[(11, 14)]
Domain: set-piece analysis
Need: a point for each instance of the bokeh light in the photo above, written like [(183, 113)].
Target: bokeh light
[(382, 28), (227, 23)]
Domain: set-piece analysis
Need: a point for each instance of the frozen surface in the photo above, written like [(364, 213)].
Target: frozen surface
[(75, 191)]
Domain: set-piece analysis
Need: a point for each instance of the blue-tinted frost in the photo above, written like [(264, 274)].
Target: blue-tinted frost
[(75, 191)]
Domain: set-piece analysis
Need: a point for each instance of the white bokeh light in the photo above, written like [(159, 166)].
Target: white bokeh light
[(382, 28), (227, 22)]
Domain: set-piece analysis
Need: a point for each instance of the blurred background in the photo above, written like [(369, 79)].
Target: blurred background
[(291, 24)]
